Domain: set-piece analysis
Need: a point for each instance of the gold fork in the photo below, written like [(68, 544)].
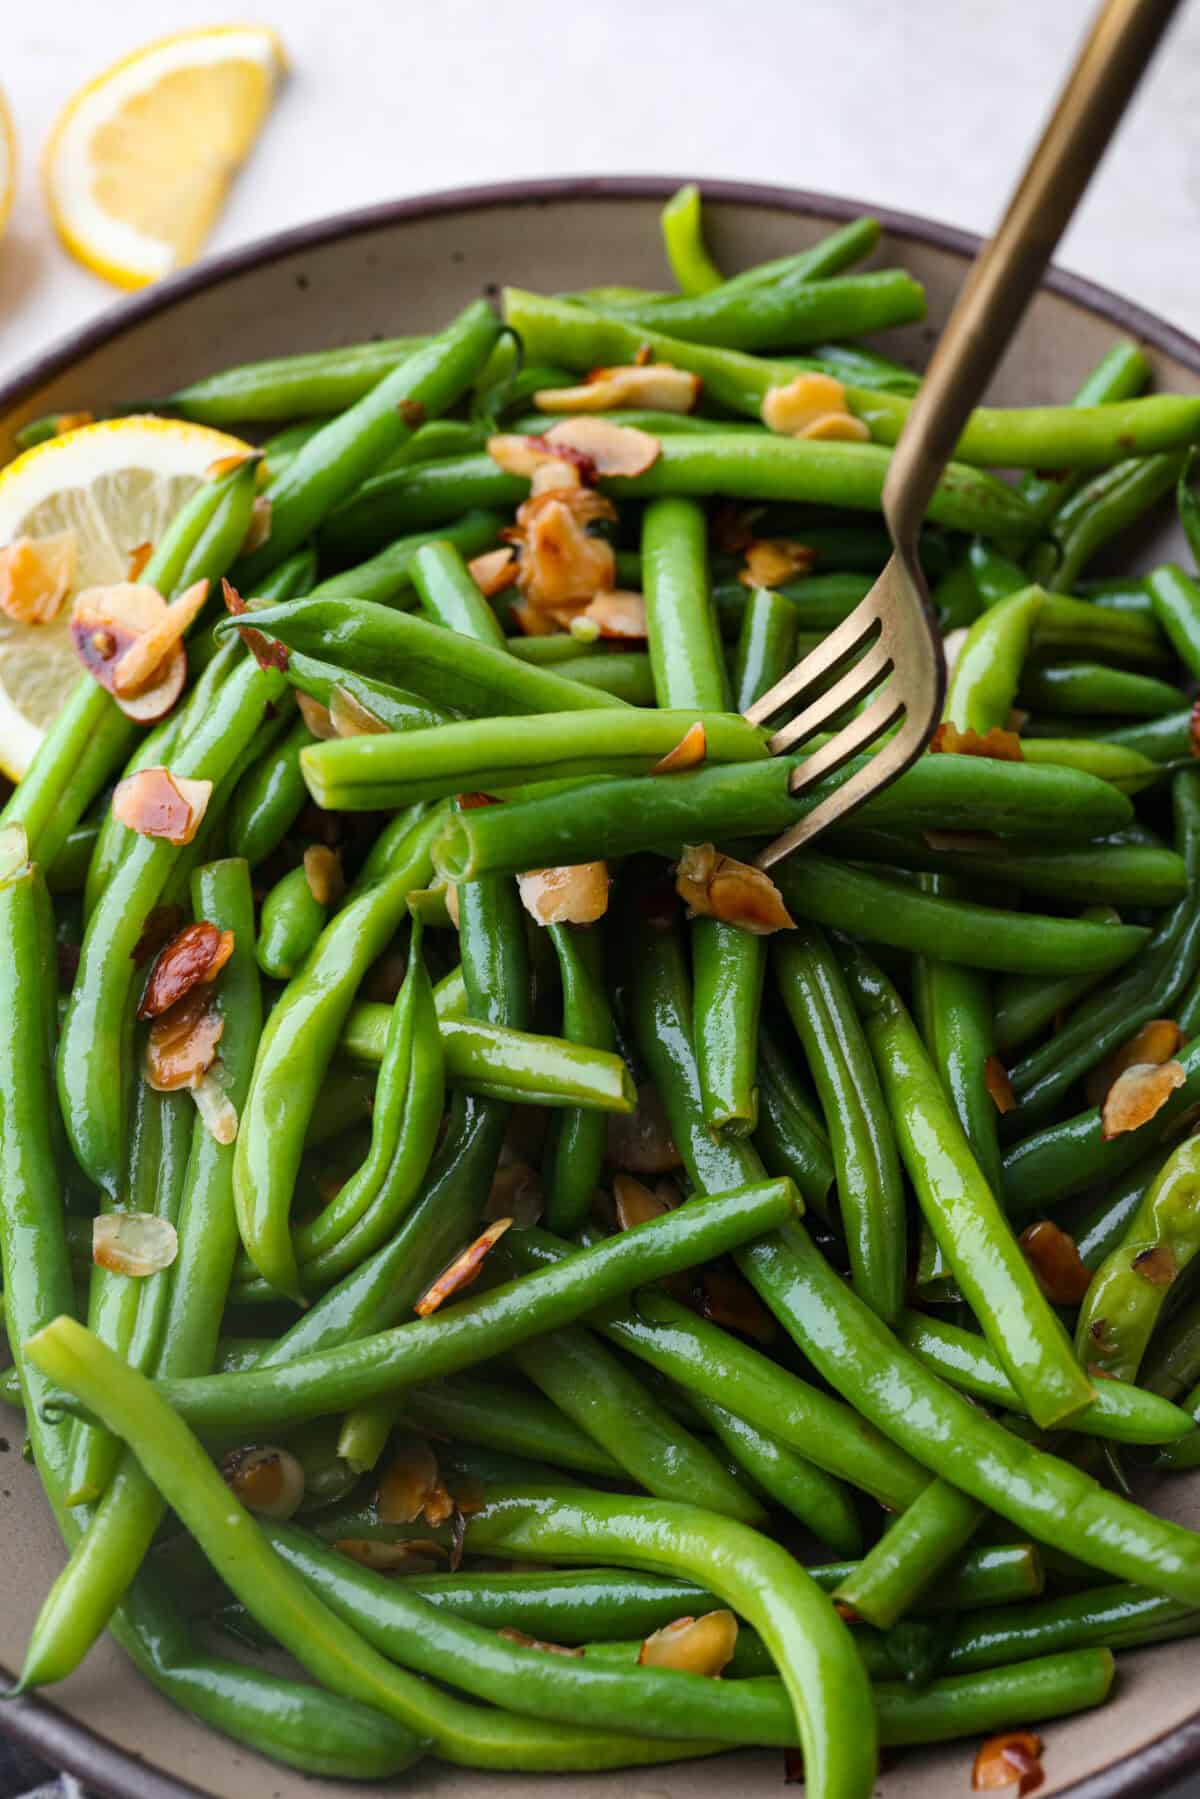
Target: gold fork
[(896, 620)]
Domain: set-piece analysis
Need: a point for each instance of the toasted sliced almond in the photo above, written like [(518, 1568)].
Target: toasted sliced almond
[(713, 885), (836, 427), (1011, 1759), (494, 570), (197, 953), (574, 894), (106, 621), (562, 564), (1055, 1260), (728, 1301), (216, 1109), (517, 455), (268, 1481), (611, 449), (182, 1043), (133, 1243), (316, 717), (1137, 1094), (1156, 1042), (350, 718), (696, 1645), (139, 556), (635, 1203), (997, 745), (641, 1140), (995, 1079), (141, 665), (526, 1642), (615, 613), (792, 408), (412, 1487), (770, 561), (463, 1269), (408, 1557), (36, 575), (323, 873), (155, 803), (689, 752), (657, 386)]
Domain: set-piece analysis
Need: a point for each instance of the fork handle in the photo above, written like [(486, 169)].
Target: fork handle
[(1112, 61)]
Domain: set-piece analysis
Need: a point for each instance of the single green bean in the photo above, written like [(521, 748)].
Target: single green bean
[(914, 1550), (577, 1138), (287, 387), (387, 577), (683, 239), (292, 920), (1121, 373), (1074, 689)]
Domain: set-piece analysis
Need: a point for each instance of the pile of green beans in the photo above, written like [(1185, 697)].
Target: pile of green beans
[(747, 1210)]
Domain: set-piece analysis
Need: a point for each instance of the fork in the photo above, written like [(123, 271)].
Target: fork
[(895, 624)]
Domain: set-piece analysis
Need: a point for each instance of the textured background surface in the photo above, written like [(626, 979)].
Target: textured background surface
[(925, 107)]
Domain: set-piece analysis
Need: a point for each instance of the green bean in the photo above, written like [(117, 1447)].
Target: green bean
[(1176, 601), (1057, 437), (883, 911), (69, 869), (692, 266), (562, 1605), (1086, 688), (984, 684), (592, 1386), (577, 1138), (913, 1551), (292, 920), (295, 1051), (963, 1213), (1077, 627), (1125, 768), (859, 1356), (1102, 1227), (681, 626), (506, 1418), (870, 1188), (351, 446), (1026, 1004), (737, 464), (493, 755), (729, 965), (1189, 506), (93, 1056), (792, 313), (816, 1498), (766, 646), (450, 596), (624, 674), (1120, 874), (1125, 1298), (1165, 739), (269, 798), (620, 817), (953, 1006), (1115, 1617), (790, 1137), (828, 256), (287, 387), (387, 577), (1121, 1413), (1121, 373), (390, 707), (1099, 510)]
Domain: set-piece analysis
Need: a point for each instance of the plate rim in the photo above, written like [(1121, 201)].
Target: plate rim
[(38, 1724)]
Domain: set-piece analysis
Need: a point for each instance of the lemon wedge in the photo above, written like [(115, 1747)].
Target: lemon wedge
[(105, 490), (139, 161), (8, 162)]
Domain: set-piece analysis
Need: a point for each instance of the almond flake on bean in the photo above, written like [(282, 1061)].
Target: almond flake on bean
[(494, 570), (411, 1486), (807, 400), (323, 873), (641, 1140), (182, 1043), (689, 752), (36, 574), (155, 803), (995, 1079), (463, 1269), (134, 1243), (635, 1203), (516, 1193), (1156, 1042), (836, 427), (655, 386), (216, 1109), (1137, 1094), (316, 717), (996, 745), (702, 1645), (141, 665), (526, 1642), (1010, 1759), (770, 561), (613, 612), (574, 894), (407, 1557), (107, 624), (728, 1301), (1054, 1257), (350, 718), (562, 564), (267, 1480), (197, 953), (612, 449), (713, 885)]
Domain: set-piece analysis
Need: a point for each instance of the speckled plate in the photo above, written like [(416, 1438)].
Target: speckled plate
[(406, 267)]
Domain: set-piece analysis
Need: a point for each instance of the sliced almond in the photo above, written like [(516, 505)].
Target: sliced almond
[(36, 575), (1054, 1257), (412, 1487), (731, 1303), (562, 564), (836, 427), (996, 745), (182, 1043), (657, 386), (995, 1079), (614, 613), (526, 1642), (323, 873), (155, 803), (695, 1645), (407, 1557), (216, 1109), (350, 718), (267, 1480), (463, 1269), (197, 953), (713, 885), (641, 1140), (612, 449), (259, 528), (1010, 1759), (141, 664), (1155, 1042), (574, 894), (138, 557), (770, 561), (809, 396), (107, 623), (689, 752), (1137, 1095), (316, 717), (494, 570), (523, 456), (133, 1243), (225, 465), (635, 1203)]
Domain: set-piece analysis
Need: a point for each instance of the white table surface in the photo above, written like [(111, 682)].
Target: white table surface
[(926, 106)]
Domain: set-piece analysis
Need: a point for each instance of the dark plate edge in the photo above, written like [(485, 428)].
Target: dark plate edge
[(39, 1725)]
